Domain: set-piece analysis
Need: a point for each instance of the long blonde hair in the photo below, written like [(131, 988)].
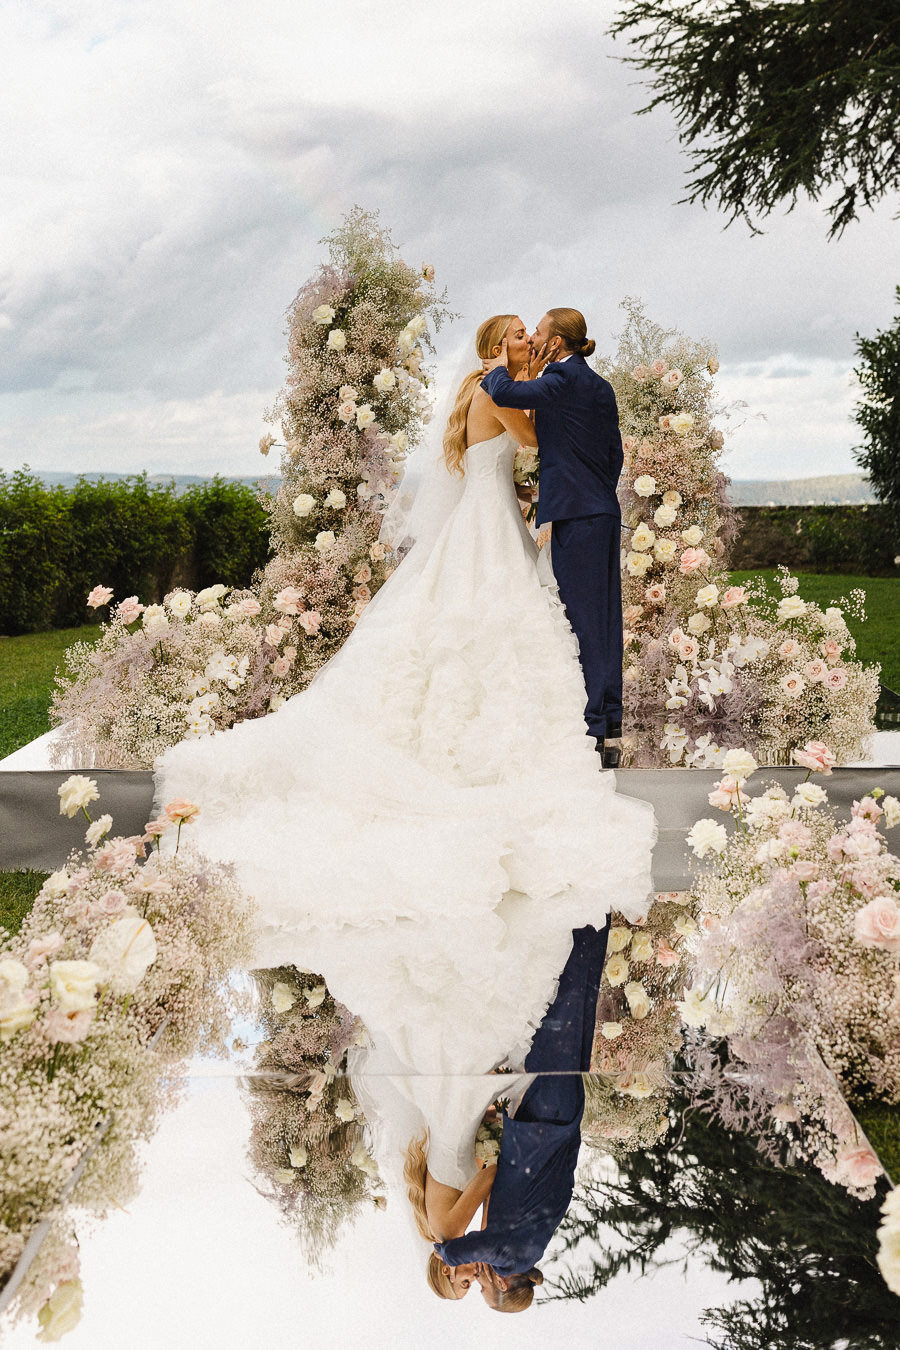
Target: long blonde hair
[(414, 1170), (490, 335)]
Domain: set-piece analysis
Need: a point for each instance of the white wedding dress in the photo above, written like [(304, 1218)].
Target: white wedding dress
[(428, 821)]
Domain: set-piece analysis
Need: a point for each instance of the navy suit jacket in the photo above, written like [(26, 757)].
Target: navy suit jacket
[(577, 426)]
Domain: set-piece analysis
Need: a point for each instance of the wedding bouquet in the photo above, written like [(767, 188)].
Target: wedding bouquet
[(116, 976), (798, 963)]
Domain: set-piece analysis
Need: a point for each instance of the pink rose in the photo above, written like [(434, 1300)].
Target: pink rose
[(633, 613), (362, 592), (68, 1028), (181, 811), (716, 438), (129, 609), (724, 793), (280, 667), (249, 606), (629, 444), (274, 634), (288, 600), (734, 595), (815, 755), (658, 368), (100, 595), (110, 904), (157, 827), (835, 848), (710, 922), (656, 595), (820, 890), (858, 1165), (789, 648), (867, 809), (689, 648), (665, 422), (804, 869), (815, 671), (835, 679), (363, 573), (41, 948), (692, 559), (794, 832), (877, 924), (641, 373), (672, 379), (116, 857), (309, 621), (831, 650), (666, 955), (675, 639)]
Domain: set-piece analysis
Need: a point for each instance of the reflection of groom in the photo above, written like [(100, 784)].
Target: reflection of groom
[(580, 450), (539, 1149)]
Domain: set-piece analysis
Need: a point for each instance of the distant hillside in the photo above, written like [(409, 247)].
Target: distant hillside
[(836, 489), (182, 481)]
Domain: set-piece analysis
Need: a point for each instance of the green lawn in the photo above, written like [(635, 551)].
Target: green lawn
[(878, 639), (17, 892), (27, 666), (882, 1126)]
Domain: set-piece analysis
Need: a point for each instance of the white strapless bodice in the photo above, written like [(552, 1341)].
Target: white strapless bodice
[(426, 823)]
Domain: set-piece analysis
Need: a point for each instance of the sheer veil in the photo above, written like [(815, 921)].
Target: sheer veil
[(427, 491)]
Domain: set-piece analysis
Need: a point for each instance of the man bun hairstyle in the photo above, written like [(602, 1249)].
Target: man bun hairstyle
[(569, 324)]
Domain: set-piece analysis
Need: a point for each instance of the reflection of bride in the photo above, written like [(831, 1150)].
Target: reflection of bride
[(426, 823)]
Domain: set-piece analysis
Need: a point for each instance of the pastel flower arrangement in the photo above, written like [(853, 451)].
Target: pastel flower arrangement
[(115, 978), (709, 665), (353, 404), (797, 963), (638, 1029), (308, 1139)]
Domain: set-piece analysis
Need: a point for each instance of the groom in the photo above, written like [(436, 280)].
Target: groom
[(580, 449)]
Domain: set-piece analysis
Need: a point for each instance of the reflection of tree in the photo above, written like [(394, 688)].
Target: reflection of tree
[(807, 1242)]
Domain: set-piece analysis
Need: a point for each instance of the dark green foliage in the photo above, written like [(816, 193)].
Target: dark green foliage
[(881, 1123), (17, 892), (811, 1247), (138, 537), (858, 539), (878, 412), (777, 97)]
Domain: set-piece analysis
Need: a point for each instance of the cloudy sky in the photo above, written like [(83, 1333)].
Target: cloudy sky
[(169, 166)]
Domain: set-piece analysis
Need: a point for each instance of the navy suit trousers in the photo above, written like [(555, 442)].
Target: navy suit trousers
[(586, 564), (565, 1038)]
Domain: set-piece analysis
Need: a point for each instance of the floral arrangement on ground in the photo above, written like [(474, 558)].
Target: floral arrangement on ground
[(118, 974)]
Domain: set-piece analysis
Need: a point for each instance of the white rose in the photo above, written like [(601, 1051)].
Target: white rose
[(793, 683), (417, 325), (645, 486), (323, 314), (685, 926), (179, 603), (664, 516), (56, 884), (664, 550), (303, 504), (708, 596), (62, 1311), (282, 997), (638, 564), (610, 1031), (808, 794), (616, 970), (124, 951), (324, 541), (791, 607), (698, 623), (740, 764), (283, 1175), (642, 538), (97, 829), (347, 393), (681, 423), (336, 499), (344, 1109), (692, 536), (638, 999), (672, 498), (337, 340), (707, 836), (618, 940), (399, 442), (73, 985), (891, 808), (384, 380), (364, 416), (638, 1085), (298, 1156), (75, 794), (13, 977), (16, 1013), (642, 947)]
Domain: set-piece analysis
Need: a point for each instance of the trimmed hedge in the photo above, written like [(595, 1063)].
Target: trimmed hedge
[(861, 540), (141, 538)]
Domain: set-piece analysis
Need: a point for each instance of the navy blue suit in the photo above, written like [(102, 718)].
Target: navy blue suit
[(577, 426), (539, 1151)]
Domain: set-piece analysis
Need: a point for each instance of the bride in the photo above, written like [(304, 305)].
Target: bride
[(425, 824)]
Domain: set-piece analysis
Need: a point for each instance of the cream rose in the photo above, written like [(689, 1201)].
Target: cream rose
[(337, 340), (707, 836), (384, 380), (642, 538), (616, 970), (708, 596), (16, 1013), (73, 984), (681, 423), (282, 997), (664, 516), (75, 794), (638, 999), (791, 607), (324, 541), (618, 940), (672, 498), (645, 486), (323, 315), (642, 947), (664, 550), (891, 808), (793, 683), (610, 1031), (364, 416), (638, 564), (698, 624), (336, 500)]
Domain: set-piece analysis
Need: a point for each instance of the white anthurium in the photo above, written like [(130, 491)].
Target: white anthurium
[(124, 952)]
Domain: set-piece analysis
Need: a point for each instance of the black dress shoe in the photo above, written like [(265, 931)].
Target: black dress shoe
[(612, 757), (613, 731)]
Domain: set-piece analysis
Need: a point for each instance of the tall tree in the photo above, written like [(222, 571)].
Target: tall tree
[(878, 412), (777, 97)]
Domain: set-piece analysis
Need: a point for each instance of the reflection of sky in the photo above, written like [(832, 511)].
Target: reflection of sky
[(201, 1259)]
